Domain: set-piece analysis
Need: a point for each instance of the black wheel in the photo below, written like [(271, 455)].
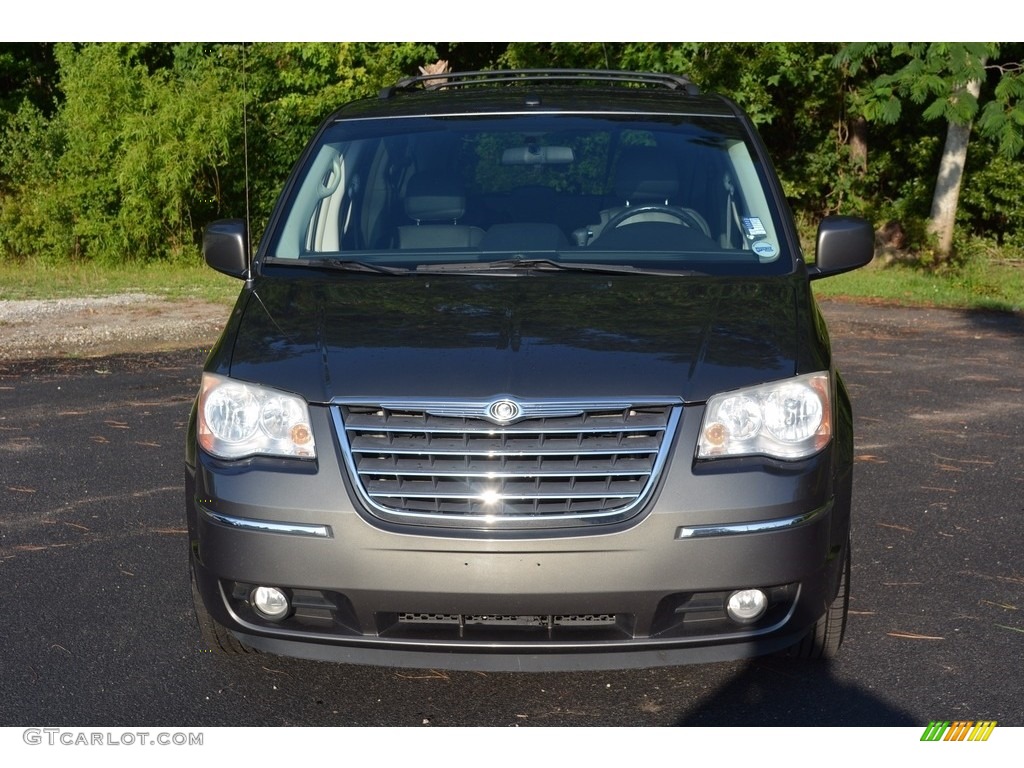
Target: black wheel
[(216, 637), (825, 637), (685, 216)]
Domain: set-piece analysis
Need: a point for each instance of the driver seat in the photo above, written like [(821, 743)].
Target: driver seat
[(643, 176)]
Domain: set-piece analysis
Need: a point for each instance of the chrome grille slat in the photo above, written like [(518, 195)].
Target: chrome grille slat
[(470, 495), (497, 475), (596, 463), (490, 446), (439, 424)]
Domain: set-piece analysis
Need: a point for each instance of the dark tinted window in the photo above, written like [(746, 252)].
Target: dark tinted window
[(423, 190)]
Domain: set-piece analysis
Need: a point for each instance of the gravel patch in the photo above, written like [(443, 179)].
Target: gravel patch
[(95, 327)]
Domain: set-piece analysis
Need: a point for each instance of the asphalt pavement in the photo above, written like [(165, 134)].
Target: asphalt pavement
[(97, 625)]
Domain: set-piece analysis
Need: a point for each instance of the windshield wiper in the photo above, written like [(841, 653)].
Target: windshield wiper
[(344, 265), (363, 266), (550, 265)]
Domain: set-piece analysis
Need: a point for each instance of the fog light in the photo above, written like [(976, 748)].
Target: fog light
[(270, 603), (746, 605)]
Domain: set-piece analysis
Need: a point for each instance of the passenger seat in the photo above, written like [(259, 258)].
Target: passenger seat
[(436, 203)]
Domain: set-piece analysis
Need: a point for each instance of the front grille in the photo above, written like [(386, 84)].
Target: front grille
[(575, 464), (453, 627)]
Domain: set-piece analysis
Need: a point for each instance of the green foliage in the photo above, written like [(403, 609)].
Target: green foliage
[(1003, 117), (173, 150), (28, 146), (992, 200), (27, 74), (934, 75), (129, 159), (563, 55)]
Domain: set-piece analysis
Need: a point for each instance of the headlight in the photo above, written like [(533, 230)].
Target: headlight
[(789, 419), (238, 419)]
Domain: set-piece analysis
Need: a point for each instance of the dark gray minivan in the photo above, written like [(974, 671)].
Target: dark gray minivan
[(526, 373)]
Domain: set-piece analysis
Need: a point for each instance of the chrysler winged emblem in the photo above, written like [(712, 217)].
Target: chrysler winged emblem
[(503, 411)]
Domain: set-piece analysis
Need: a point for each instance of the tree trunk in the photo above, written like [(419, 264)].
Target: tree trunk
[(859, 144), (947, 186)]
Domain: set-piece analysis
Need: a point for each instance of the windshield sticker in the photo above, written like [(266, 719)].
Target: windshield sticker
[(753, 227), (764, 250)]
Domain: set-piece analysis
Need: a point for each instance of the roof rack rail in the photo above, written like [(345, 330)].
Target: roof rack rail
[(485, 77)]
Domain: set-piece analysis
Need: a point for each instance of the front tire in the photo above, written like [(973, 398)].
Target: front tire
[(826, 636), (216, 637)]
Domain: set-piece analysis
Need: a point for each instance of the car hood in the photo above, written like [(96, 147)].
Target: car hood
[(527, 336)]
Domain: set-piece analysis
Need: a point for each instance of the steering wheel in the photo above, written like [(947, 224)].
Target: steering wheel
[(685, 216)]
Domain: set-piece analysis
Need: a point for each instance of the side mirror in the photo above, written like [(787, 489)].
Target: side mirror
[(844, 243), (226, 247)]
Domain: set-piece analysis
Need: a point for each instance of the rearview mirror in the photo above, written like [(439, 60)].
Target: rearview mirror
[(534, 154)]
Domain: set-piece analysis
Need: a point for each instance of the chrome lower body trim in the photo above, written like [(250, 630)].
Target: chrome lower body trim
[(757, 526), (266, 526)]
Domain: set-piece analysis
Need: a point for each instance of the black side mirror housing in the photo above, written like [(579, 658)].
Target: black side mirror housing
[(844, 243), (226, 247)]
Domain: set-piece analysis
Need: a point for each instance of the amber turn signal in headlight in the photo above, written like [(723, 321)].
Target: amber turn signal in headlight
[(790, 419), (237, 419)]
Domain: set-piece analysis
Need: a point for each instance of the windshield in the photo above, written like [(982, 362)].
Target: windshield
[(661, 192)]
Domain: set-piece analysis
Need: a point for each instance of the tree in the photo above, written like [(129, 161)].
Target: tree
[(28, 72), (946, 79), (128, 166), (942, 220)]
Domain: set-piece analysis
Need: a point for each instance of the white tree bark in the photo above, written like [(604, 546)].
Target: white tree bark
[(947, 186)]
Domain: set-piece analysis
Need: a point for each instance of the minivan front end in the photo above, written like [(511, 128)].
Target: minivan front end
[(502, 530), (526, 374)]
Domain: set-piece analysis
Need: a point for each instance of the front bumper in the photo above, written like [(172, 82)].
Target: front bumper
[(647, 592)]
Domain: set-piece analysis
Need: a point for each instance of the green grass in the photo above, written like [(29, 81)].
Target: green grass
[(29, 280), (980, 284)]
